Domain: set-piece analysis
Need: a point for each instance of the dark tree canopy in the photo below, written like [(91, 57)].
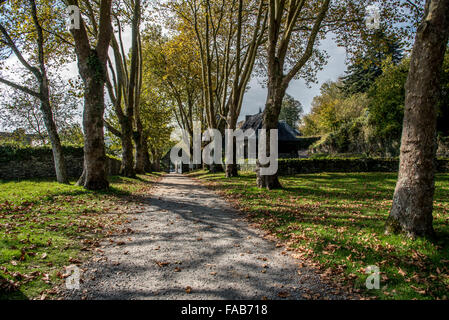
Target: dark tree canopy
[(291, 111), (363, 72)]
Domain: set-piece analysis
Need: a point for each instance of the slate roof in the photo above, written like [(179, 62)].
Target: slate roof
[(285, 133)]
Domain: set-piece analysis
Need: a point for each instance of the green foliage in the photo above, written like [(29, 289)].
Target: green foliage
[(387, 97), (291, 111), (72, 136), (332, 110), (368, 122), (360, 75)]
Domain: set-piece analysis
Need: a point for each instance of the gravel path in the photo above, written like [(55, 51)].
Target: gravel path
[(190, 244)]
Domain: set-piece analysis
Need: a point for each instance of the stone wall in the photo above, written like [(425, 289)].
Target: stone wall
[(40, 165)]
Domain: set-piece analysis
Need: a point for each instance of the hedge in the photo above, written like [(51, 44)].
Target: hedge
[(304, 166), (12, 153), (293, 166)]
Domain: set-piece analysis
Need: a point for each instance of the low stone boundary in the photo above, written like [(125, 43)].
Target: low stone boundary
[(30, 163)]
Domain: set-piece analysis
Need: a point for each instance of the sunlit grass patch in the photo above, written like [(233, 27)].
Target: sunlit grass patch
[(336, 220), (45, 226)]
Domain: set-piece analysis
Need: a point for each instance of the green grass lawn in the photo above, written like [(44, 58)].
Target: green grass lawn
[(46, 226), (336, 222)]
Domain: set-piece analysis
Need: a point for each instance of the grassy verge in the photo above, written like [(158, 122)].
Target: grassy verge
[(336, 222), (46, 226)]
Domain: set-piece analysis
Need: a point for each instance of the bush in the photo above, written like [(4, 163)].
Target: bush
[(304, 166), (15, 153)]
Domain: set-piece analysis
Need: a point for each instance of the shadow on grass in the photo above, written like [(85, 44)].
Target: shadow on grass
[(8, 292), (317, 206)]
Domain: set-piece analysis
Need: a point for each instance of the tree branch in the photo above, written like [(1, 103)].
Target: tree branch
[(17, 52), (21, 88), (310, 43), (112, 130)]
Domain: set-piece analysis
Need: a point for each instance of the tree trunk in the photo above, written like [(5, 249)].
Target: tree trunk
[(413, 199), (58, 156), (94, 176), (92, 68), (127, 168), (273, 106), (143, 163), (231, 169), (127, 128), (146, 156), (157, 164)]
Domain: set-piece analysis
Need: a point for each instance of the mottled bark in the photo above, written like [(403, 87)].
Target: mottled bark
[(276, 94), (127, 168), (133, 90), (413, 199), (146, 157), (94, 176), (92, 68), (142, 156), (157, 164), (50, 125)]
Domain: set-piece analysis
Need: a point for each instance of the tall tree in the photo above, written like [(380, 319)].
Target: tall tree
[(294, 26), (19, 110), (92, 68), (124, 88), (207, 21), (14, 18), (413, 199), (282, 21), (245, 37), (172, 66)]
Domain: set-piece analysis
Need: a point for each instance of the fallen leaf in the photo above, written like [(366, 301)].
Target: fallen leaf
[(284, 294), (162, 264)]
